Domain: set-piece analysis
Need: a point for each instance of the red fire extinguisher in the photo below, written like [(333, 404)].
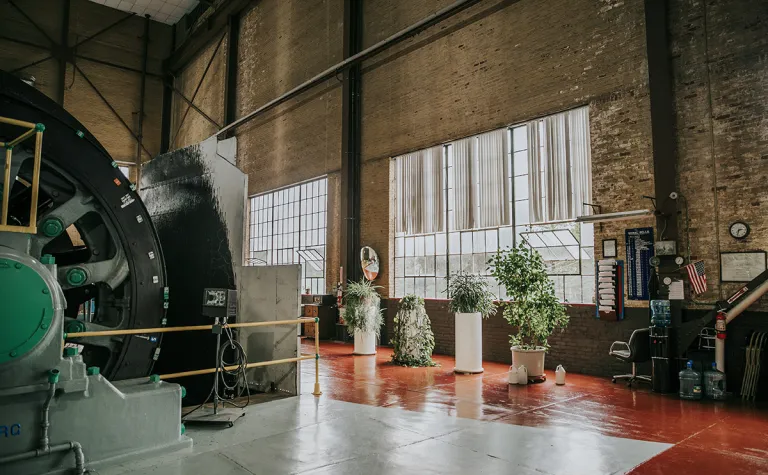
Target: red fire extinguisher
[(720, 322)]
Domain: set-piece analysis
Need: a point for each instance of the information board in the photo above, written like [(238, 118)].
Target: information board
[(639, 243)]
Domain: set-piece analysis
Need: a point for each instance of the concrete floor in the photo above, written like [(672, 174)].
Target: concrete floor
[(377, 418)]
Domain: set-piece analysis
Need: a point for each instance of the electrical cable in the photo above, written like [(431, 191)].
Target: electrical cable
[(240, 360)]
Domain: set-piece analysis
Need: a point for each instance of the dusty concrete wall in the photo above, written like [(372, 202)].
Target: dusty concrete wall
[(721, 100), (121, 45)]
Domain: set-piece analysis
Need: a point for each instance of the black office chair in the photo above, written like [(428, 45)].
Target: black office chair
[(637, 350)]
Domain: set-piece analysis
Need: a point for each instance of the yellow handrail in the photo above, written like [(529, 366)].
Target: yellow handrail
[(140, 331), (37, 131)]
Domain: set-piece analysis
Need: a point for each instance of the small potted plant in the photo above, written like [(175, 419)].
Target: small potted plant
[(412, 339), (533, 309), (471, 301), (363, 316)]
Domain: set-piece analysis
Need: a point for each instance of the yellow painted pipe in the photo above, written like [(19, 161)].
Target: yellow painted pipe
[(22, 137), (197, 372), (7, 187), (36, 181), (316, 392), (20, 123), (142, 331)]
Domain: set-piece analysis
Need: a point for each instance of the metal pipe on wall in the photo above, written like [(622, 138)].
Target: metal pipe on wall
[(331, 72), (142, 95), (733, 313)]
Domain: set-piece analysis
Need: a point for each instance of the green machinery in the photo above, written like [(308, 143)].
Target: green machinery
[(63, 202)]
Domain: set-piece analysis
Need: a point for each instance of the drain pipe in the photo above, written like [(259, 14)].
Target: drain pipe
[(45, 447), (733, 313)]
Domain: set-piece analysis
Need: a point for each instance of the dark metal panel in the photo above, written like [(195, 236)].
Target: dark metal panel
[(350, 145), (142, 96), (230, 85), (63, 47), (662, 119)]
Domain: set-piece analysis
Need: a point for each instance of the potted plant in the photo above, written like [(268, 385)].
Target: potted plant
[(471, 301), (533, 309), (363, 316), (412, 339)]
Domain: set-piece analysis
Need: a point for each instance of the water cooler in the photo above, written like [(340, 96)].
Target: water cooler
[(663, 347)]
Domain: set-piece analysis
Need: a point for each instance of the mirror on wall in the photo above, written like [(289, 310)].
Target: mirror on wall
[(370, 262)]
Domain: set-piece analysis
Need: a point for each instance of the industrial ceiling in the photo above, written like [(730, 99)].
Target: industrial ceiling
[(165, 11)]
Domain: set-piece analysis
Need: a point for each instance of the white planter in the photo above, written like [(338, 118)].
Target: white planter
[(532, 359), (365, 343), (469, 343)]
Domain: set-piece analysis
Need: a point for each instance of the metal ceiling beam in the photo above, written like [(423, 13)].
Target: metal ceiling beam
[(230, 85), (662, 122), (197, 89), (369, 52), (104, 99), (142, 96), (196, 108), (350, 141), (64, 51), (199, 38)]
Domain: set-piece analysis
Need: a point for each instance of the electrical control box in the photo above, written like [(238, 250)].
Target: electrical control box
[(220, 303)]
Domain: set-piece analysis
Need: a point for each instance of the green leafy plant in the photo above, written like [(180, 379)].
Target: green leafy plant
[(362, 307), (412, 339), (534, 308), (469, 294)]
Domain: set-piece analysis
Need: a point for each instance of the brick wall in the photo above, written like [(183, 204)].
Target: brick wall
[(720, 65), (121, 45)]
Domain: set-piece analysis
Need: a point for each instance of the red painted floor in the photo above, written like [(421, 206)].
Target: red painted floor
[(708, 437)]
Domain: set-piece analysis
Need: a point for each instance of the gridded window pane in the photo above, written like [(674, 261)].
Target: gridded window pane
[(287, 227)]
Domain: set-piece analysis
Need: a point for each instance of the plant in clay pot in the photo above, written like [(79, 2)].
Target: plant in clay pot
[(533, 307)]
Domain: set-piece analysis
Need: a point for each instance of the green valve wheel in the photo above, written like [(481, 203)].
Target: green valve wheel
[(154, 378), (52, 227), (74, 326), (76, 276), (32, 310)]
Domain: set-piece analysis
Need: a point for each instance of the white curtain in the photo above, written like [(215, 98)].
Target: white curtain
[(535, 185), (566, 161), (557, 169), (464, 173), (493, 170), (581, 160), (419, 178)]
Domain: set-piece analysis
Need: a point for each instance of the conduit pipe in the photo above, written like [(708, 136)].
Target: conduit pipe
[(331, 72), (733, 313), (45, 447)]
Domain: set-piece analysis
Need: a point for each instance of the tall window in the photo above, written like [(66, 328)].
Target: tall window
[(490, 201), (288, 226)]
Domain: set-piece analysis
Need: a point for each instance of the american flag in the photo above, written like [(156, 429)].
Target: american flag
[(697, 277)]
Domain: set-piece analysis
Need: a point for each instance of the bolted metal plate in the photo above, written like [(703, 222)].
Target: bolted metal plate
[(27, 309)]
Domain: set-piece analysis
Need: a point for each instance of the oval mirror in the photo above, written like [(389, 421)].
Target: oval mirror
[(370, 262)]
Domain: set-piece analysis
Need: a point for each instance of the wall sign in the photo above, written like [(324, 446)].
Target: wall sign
[(741, 266), (609, 248), (639, 252)]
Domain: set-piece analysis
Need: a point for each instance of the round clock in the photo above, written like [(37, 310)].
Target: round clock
[(739, 230)]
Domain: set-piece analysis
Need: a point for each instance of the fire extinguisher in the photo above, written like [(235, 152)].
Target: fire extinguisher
[(720, 325)]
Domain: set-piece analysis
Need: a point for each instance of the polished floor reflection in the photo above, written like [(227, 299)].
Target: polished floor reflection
[(377, 418)]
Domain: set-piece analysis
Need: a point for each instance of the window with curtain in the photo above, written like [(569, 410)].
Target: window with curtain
[(288, 226), (490, 201)]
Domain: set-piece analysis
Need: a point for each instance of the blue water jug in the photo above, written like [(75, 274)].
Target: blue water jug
[(690, 383)]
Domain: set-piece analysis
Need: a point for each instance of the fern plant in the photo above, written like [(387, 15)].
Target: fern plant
[(412, 339), (362, 307), (534, 308), (469, 294)]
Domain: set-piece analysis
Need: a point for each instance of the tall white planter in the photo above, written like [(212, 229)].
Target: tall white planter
[(531, 359), (469, 343), (365, 343)]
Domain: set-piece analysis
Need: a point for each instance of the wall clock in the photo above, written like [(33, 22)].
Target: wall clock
[(739, 230)]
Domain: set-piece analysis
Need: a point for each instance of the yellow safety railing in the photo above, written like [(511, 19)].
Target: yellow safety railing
[(37, 131), (143, 331)]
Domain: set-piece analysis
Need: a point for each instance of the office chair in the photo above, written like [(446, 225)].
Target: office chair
[(637, 350)]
